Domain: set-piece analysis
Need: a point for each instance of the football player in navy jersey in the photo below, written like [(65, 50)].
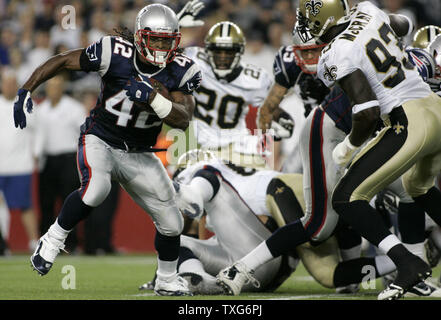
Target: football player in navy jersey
[(294, 65), (116, 139)]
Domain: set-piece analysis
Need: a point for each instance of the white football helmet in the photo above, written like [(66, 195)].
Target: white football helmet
[(157, 34)]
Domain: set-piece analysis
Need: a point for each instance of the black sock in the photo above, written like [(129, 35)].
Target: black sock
[(184, 255), (431, 203), (400, 255), (364, 219), (353, 271), (347, 237), (411, 223), (73, 211), (287, 238), (167, 247)]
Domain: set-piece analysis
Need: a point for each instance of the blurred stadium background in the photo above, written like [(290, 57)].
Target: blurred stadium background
[(31, 32)]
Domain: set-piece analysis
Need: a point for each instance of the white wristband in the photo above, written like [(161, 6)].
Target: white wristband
[(349, 144), (161, 105)]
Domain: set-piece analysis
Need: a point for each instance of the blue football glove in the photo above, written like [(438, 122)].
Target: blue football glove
[(138, 91), (22, 99)]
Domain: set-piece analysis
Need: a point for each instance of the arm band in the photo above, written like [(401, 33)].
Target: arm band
[(360, 107), (161, 105)]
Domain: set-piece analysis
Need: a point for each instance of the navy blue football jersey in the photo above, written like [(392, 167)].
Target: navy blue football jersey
[(115, 119), (338, 107), (288, 74)]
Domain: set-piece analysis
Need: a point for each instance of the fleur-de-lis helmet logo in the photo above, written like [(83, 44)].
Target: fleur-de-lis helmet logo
[(314, 6), (330, 73)]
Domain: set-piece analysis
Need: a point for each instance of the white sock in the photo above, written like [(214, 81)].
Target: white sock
[(194, 266), (201, 186), (384, 265), (57, 232), (4, 218), (258, 256), (166, 269), (351, 253), (417, 249), (388, 243)]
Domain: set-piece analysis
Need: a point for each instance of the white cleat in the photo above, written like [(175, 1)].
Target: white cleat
[(424, 289), (202, 284), (233, 278), (173, 286), (44, 256), (392, 292)]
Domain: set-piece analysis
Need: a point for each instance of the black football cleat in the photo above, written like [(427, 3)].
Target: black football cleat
[(408, 276)]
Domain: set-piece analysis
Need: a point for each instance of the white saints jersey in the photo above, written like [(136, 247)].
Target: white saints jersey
[(221, 106), (369, 44), (250, 184)]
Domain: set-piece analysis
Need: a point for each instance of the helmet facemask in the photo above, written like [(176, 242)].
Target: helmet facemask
[(307, 57), (158, 48), (223, 60), (306, 53)]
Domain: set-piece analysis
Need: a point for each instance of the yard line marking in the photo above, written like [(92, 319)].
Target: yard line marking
[(143, 295)]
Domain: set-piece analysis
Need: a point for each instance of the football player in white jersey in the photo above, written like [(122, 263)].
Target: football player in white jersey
[(244, 205), (364, 57), (229, 86)]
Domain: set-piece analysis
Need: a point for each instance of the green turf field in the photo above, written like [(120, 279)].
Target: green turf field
[(118, 278)]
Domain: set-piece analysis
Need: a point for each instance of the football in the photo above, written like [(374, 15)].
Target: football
[(158, 86)]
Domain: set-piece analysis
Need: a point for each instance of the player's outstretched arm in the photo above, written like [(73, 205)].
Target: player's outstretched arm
[(271, 105), (69, 60)]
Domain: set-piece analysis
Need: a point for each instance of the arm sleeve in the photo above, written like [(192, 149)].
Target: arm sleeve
[(191, 80), (285, 69), (97, 56), (336, 63)]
